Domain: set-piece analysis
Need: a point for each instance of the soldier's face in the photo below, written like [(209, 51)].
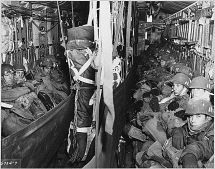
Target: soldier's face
[(197, 121), (46, 70), (19, 75), (177, 89), (163, 63), (197, 92), (9, 78)]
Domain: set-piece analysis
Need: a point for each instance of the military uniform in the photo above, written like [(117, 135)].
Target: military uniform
[(48, 86), (197, 145), (26, 106)]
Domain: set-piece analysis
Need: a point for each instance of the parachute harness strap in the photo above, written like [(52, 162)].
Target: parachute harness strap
[(83, 68)]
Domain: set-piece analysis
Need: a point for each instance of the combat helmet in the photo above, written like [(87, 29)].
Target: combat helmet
[(185, 70), (6, 68), (181, 78), (200, 82), (46, 62), (19, 67), (165, 57), (199, 106)]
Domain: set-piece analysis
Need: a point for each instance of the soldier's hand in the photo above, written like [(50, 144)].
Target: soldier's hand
[(180, 114), (178, 139), (173, 106), (154, 104)]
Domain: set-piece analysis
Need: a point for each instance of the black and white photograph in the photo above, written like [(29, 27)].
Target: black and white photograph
[(107, 84)]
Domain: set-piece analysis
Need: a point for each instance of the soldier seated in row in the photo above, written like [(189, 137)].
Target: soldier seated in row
[(160, 127), (196, 138), (26, 107), (200, 88), (21, 80), (199, 104), (189, 146), (54, 89)]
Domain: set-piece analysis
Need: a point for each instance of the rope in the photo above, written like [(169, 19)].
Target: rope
[(44, 31)]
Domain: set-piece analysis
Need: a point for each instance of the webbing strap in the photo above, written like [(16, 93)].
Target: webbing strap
[(82, 129), (90, 136), (90, 16), (5, 105), (87, 64)]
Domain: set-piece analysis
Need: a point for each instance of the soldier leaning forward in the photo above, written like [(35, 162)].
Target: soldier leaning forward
[(170, 108)]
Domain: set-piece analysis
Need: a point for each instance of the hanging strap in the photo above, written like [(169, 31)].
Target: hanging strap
[(106, 54), (90, 16), (118, 36)]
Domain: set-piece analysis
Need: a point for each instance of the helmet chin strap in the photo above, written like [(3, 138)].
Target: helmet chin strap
[(183, 92)]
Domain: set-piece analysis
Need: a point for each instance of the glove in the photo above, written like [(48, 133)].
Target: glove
[(139, 104), (29, 76), (173, 106), (170, 84), (155, 92), (178, 139), (180, 114), (147, 94), (189, 161), (154, 104)]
